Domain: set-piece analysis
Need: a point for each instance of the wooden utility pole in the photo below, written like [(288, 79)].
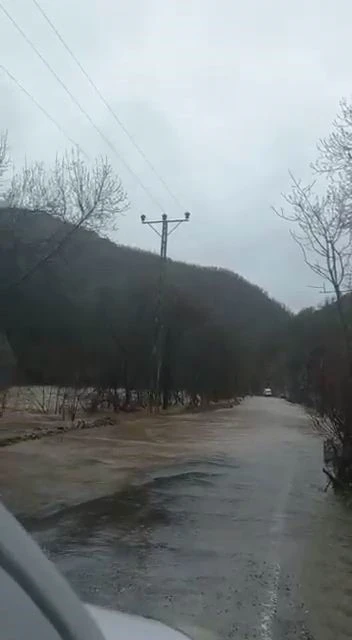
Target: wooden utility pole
[(168, 226)]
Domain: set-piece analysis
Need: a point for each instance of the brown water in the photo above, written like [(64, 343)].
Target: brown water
[(227, 528)]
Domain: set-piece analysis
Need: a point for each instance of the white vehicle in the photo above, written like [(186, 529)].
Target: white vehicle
[(40, 604), (267, 392)]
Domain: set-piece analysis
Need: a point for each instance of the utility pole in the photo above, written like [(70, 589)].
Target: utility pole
[(165, 231), (168, 226)]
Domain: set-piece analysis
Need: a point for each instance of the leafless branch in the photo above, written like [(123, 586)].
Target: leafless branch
[(4, 155), (71, 191), (82, 196), (322, 233), (321, 214)]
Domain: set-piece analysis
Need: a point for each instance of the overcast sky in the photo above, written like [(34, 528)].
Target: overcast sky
[(224, 97)]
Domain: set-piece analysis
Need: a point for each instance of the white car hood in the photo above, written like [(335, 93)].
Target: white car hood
[(122, 626)]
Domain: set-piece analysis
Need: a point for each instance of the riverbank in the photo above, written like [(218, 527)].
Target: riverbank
[(22, 420)]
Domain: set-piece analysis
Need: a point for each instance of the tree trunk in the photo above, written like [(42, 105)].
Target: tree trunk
[(126, 384)]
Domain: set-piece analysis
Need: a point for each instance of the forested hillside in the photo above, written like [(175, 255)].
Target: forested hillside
[(313, 357), (86, 314)]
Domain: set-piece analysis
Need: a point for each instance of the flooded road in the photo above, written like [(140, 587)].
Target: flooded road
[(235, 535)]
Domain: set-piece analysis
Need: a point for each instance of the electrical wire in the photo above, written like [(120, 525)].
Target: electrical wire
[(80, 107), (42, 109), (58, 246), (49, 116), (107, 105)]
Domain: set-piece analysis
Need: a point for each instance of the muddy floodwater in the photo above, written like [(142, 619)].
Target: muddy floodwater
[(225, 527)]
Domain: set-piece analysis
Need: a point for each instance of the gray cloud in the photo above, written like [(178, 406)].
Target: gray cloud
[(223, 97)]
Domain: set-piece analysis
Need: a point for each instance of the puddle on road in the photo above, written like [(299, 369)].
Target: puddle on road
[(141, 505), (99, 543), (97, 522)]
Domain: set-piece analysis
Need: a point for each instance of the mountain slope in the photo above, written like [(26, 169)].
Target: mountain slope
[(88, 313)]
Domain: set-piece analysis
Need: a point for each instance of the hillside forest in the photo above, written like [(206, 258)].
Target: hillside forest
[(78, 310)]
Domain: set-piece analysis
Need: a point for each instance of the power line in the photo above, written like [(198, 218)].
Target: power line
[(49, 116), (80, 107), (107, 105), (42, 109), (57, 247)]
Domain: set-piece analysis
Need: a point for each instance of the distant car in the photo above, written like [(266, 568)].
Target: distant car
[(267, 392)]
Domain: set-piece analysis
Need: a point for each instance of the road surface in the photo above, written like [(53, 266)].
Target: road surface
[(237, 538)]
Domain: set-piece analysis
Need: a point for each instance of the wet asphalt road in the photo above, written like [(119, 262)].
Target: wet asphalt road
[(242, 542)]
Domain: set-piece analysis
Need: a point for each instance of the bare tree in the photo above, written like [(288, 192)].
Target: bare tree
[(85, 196), (321, 213), (4, 155), (335, 151), (323, 235)]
